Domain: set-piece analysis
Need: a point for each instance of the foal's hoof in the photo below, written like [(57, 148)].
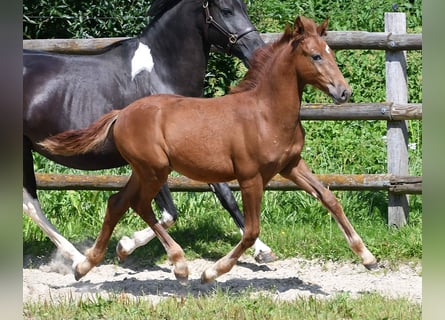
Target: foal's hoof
[(266, 257), (181, 272), (208, 276), (372, 266)]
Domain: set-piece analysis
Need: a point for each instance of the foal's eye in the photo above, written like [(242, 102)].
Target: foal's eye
[(316, 57)]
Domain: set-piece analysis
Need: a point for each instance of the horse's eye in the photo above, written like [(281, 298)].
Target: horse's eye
[(226, 11), (316, 57)]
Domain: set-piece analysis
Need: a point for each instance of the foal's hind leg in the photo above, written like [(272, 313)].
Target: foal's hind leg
[(304, 178), (117, 205), (127, 245)]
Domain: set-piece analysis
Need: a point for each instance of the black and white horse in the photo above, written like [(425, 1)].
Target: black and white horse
[(62, 92)]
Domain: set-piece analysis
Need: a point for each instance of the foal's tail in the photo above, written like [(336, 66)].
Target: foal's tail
[(75, 142)]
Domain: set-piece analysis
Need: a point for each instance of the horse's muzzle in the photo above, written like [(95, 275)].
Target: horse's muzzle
[(340, 94)]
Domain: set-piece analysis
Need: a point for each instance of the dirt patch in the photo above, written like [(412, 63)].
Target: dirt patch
[(283, 280)]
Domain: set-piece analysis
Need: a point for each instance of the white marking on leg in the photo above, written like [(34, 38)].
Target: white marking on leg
[(259, 246), (34, 211), (142, 60), (167, 219), (139, 238)]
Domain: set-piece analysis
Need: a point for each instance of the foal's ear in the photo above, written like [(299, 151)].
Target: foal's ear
[(323, 28), (298, 33), (298, 26)]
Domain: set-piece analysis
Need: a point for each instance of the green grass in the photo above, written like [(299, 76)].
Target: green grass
[(224, 305)]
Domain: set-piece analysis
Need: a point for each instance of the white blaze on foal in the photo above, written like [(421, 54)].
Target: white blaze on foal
[(142, 60), (328, 50)]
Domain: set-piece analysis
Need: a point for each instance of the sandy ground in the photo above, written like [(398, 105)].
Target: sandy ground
[(283, 280)]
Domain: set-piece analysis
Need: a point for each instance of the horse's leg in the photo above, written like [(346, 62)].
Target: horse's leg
[(164, 200), (304, 178), (251, 192), (262, 253), (32, 208), (117, 205), (144, 209)]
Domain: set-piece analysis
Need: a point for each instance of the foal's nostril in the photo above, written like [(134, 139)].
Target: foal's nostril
[(346, 94)]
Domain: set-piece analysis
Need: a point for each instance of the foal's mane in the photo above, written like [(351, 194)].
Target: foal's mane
[(261, 60)]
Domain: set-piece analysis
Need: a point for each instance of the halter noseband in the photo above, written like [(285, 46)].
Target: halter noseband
[(232, 37)]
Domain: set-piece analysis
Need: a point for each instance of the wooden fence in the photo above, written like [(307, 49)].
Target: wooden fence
[(397, 181)]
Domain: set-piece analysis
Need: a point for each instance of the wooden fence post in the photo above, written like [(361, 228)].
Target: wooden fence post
[(397, 131)]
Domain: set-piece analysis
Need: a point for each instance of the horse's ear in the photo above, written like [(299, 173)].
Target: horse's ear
[(298, 33), (288, 30), (298, 26), (323, 28)]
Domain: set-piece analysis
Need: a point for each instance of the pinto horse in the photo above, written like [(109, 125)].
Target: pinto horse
[(64, 92), (249, 135)]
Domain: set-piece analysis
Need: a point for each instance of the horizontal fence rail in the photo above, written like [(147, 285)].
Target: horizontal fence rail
[(352, 182), (361, 111), (335, 39)]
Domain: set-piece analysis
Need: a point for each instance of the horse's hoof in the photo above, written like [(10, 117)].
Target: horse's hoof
[(182, 280), (121, 256), (372, 266), (82, 268), (77, 275), (208, 276), (181, 272), (266, 257), (122, 248)]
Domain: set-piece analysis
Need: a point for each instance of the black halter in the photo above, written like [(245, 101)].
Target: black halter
[(232, 37)]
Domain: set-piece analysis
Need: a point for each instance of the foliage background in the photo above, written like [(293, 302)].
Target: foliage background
[(331, 146)]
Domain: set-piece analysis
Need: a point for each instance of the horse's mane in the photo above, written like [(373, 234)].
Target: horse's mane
[(259, 64), (159, 7), (156, 10)]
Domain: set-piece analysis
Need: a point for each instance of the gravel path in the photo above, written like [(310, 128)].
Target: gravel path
[(283, 280)]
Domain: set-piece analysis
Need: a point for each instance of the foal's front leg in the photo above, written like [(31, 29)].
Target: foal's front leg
[(302, 176), (252, 192), (262, 252)]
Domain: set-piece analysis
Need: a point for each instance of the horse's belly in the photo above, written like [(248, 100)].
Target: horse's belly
[(205, 171)]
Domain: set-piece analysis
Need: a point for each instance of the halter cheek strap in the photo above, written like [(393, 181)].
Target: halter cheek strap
[(232, 37)]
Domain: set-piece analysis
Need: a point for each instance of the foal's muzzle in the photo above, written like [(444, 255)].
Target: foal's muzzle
[(340, 94)]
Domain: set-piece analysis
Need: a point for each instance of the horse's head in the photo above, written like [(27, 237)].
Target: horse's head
[(229, 28), (315, 61)]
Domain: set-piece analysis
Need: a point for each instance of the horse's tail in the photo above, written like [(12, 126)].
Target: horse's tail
[(75, 142)]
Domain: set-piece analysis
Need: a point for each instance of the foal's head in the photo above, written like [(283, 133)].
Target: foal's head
[(314, 60), (304, 51)]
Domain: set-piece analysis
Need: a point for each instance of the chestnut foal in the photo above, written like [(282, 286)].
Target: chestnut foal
[(249, 135)]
